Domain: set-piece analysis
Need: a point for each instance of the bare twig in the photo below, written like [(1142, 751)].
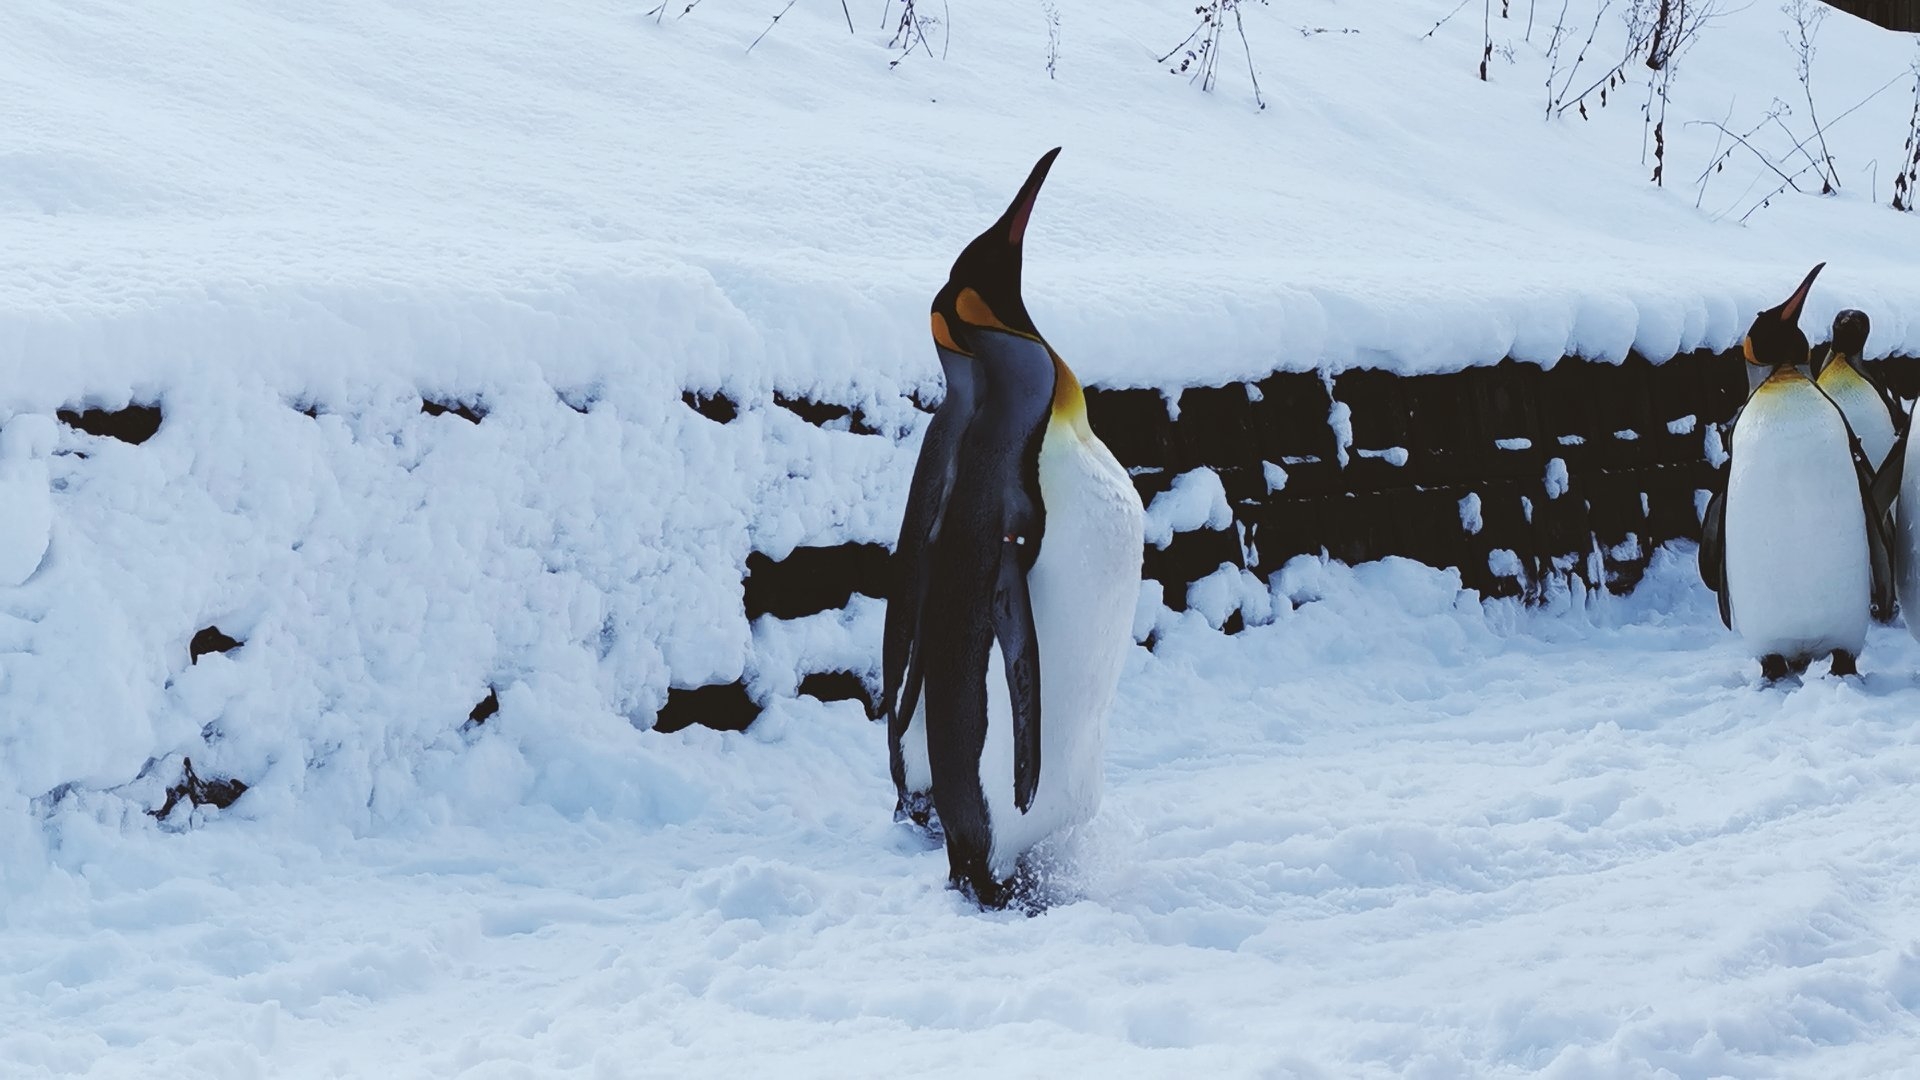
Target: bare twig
[(1742, 140), (1448, 18), (1052, 14), (1908, 178), (1580, 58), (1486, 34), (1200, 52), (1248, 49), (1807, 20), (774, 23)]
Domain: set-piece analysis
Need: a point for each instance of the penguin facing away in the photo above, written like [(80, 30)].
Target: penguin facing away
[(1019, 563), (1797, 483)]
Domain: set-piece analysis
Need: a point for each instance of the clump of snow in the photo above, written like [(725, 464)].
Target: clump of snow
[(1470, 513), (1514, 444), (1227, 590), (1503, 562), (1197, 500), (1556, 478), (1395, 456), (1683, 426), (785, 651), (1340, 419), (1275, 475), (1715, 448)]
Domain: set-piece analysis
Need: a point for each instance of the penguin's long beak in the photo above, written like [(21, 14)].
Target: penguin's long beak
[(1789, 312), (1012, 226), (1778, 329)]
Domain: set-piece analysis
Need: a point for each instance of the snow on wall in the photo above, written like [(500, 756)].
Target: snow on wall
[(299, 234)]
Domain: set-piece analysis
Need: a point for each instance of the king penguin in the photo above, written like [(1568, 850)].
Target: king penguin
[(1019, 570), (1798, 553), (1872, 414)]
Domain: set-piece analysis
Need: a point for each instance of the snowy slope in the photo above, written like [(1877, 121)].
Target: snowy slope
[(371, 172)]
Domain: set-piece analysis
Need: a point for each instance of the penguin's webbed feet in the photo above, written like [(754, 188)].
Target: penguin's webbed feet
[(915, 808), (1025, 891), (1773, 668), (1845, 664)]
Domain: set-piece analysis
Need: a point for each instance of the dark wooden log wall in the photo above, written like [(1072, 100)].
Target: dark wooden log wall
[(1892, 14), (1581, 470)]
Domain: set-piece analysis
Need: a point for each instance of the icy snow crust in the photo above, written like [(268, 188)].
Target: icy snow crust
[(566, 215)]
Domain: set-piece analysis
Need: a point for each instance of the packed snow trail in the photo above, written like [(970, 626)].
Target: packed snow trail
[(1396, 833)]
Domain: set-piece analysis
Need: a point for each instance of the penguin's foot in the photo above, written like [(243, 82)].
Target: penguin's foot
[(915, 808), (982, 889), (1844, 664), (1774, 667)]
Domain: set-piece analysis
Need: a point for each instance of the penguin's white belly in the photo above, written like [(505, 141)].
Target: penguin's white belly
[(1906, 540), (1083, 589), (1798, 577), (1866, 413)]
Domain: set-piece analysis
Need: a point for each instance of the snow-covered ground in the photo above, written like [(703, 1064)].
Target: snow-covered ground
[(1395, 833)]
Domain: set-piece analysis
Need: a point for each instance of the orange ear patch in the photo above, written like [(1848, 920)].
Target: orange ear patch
[(1746, 349), (943, 337), (973, 311)]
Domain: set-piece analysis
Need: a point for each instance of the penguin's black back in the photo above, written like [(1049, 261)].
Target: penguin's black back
[(995, 495)]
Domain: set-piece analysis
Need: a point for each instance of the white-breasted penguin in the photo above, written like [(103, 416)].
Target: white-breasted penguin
[(1797, 542), (1019, 570), (1876, 417), (1871, 412)]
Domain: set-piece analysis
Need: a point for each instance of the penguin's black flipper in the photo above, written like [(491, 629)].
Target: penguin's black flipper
[(1879, 533), (1886, 482), (1713, 551), (933, 478), (1020, 652), (1713, 524)]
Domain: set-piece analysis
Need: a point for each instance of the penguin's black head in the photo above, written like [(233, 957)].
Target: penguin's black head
[(1775, 338), (1850, 333), (983, 288)]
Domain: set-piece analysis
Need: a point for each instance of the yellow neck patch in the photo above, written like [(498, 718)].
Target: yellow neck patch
[(1784, 375), (1840, 371), (1069, 401)]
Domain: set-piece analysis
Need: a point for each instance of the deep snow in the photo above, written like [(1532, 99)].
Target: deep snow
[(1396, 833)]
